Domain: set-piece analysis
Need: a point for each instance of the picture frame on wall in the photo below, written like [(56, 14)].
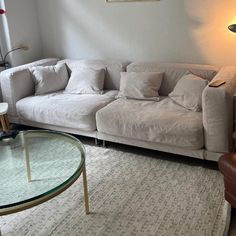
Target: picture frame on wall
[(110, 1)]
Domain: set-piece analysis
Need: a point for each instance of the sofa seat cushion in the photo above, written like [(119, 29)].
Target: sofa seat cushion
[(65, 110), (162, 122)]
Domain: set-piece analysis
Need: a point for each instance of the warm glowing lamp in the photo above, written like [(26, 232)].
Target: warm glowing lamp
[(232, 28)]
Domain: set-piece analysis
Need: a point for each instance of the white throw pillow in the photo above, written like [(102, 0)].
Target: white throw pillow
[(188, 92), (49, 79), (86, 81), (140, 85)]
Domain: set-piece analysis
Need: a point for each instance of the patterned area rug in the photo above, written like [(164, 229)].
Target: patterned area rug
[(131, 194)]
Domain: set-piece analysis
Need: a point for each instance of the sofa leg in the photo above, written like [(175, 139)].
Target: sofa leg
[(100, 143), (104, 144), (96, 142)]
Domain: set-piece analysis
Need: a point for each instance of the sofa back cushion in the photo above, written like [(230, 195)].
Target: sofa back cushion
[(173, 72), (48, 79), (113, 69), (86, 81), (188, 92), (140, 85)]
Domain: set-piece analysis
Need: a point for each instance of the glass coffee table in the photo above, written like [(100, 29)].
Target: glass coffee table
[(37, 166)]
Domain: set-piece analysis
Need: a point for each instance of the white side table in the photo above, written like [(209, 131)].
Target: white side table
[(3, 116)]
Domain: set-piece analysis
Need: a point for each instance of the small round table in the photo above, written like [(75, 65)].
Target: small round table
[(37, 166), (3, 116)]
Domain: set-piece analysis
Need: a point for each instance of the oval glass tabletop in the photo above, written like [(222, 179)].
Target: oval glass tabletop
[(36, 166)]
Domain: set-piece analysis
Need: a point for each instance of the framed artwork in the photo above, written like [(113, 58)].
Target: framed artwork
[(110, 1)]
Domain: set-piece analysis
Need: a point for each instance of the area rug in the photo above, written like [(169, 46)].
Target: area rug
[(131, 194)]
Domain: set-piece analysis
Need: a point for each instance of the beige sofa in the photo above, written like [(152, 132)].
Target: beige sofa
[(163, 125)]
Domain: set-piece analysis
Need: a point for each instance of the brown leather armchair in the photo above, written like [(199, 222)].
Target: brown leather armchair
[(227, 166)]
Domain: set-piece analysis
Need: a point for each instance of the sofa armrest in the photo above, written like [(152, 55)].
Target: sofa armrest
[(16, 83), (218, 112), (16, 86)]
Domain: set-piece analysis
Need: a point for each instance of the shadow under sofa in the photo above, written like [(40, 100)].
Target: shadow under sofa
[(163, 126)]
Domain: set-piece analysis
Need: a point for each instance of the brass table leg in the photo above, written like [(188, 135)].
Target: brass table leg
[(27, 163), (86, 200), (26, 154)]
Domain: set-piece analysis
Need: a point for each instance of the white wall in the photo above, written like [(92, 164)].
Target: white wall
[(175, 31), (23, 28), (170, 30)]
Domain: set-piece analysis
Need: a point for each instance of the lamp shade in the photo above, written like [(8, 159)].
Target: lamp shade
[(232, 28)]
